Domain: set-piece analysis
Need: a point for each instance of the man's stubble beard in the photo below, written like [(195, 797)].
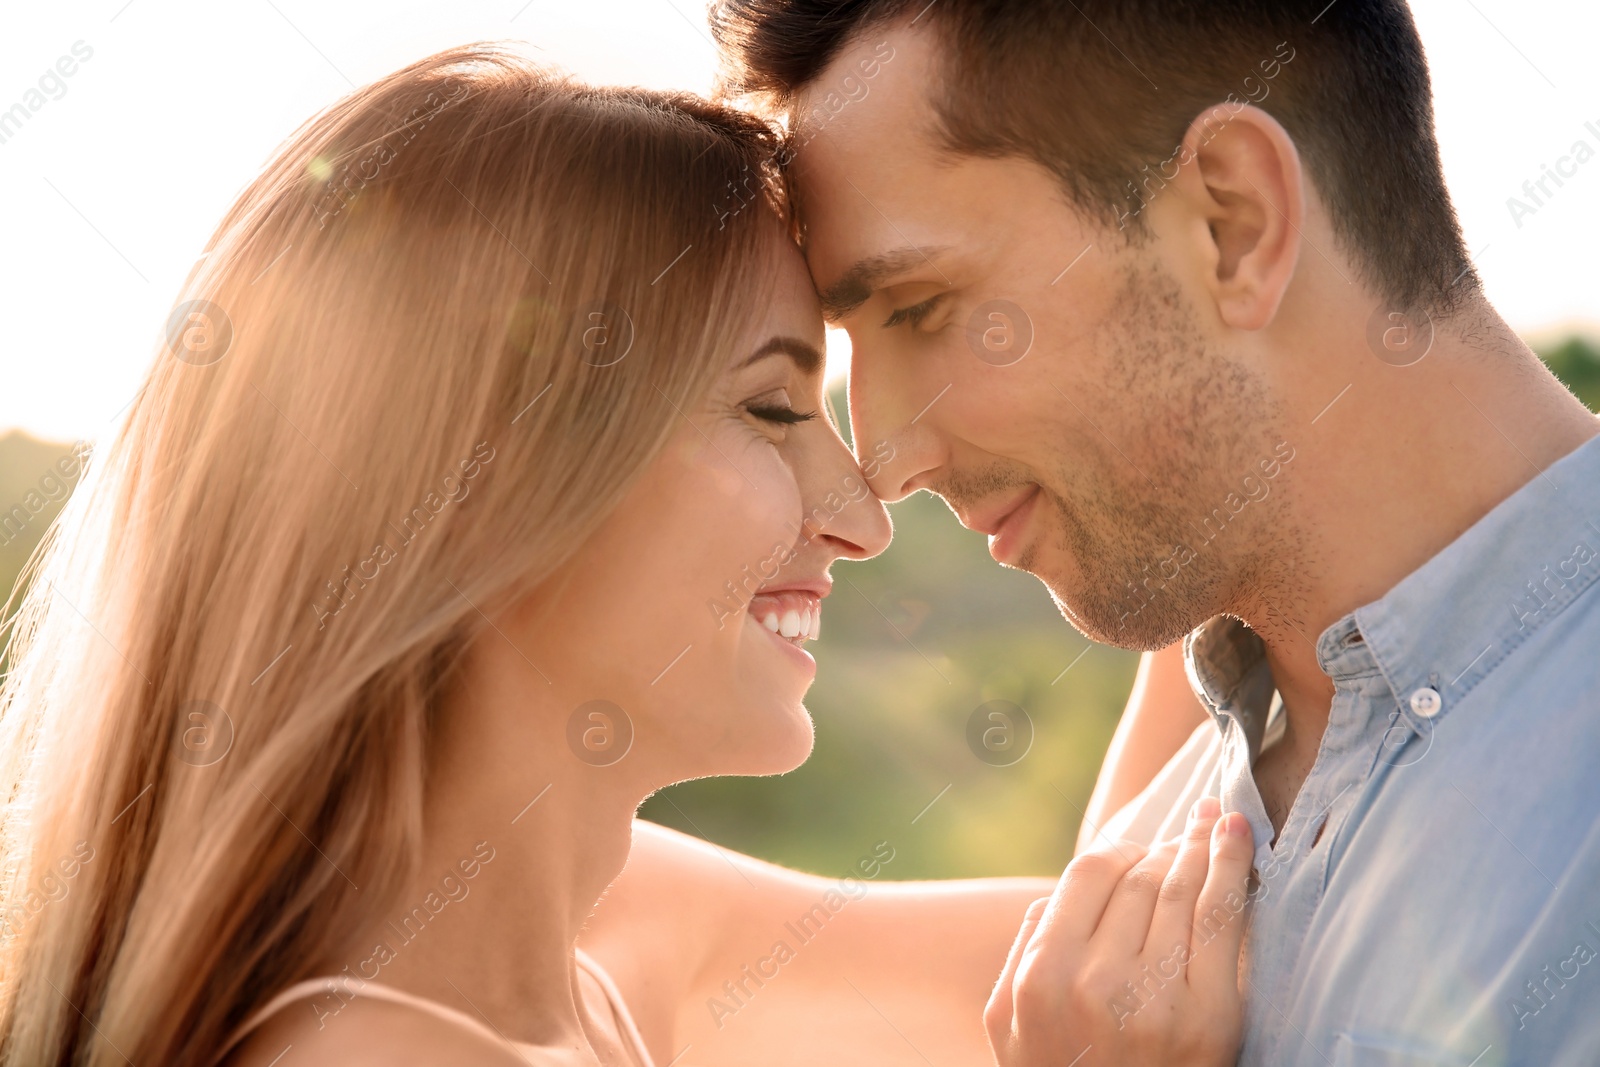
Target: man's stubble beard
[(1108, 558)]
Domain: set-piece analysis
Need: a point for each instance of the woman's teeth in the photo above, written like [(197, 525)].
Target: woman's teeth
[(796, 617)]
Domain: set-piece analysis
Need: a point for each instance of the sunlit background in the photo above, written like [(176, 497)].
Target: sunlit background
[(116, 175)]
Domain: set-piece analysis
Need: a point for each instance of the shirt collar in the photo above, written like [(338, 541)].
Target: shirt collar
[(1447, 624), (1227, 666)]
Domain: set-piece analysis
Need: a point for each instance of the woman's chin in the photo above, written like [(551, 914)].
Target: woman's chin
[(789, 752), (781, 742)]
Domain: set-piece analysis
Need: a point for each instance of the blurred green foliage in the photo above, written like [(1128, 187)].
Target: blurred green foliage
[(32, 492), (913, 643), (1576, 361)]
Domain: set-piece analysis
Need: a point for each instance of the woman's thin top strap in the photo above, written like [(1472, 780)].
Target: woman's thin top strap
[(337, 984), (619, 1008)]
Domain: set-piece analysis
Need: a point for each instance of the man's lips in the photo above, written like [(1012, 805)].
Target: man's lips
[(988, 520), (792, 611), (1005, 523)]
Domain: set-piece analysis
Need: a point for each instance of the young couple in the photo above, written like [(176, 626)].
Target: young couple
[(527, 393)]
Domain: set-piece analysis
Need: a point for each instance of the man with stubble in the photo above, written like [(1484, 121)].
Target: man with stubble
[(1169, 300)]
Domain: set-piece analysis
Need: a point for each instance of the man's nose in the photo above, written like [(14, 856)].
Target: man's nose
[(894, 436)]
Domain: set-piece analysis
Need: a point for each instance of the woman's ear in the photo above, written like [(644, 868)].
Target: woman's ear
[(1241, 184)]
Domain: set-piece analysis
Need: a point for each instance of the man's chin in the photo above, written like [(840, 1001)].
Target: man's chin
[(1111, 623)]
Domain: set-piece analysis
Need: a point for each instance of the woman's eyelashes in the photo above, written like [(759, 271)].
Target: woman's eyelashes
[(915, 314), (776, 408)]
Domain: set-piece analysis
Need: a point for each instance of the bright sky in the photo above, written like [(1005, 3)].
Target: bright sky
[(111, 187)]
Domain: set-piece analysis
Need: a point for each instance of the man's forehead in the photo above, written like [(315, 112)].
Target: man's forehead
[(861, 234), (883, 76), (865, 162)]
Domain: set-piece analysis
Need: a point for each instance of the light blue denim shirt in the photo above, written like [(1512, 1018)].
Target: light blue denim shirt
[(1434, 897)]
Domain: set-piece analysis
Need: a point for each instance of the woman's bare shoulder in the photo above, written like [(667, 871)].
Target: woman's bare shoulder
[(377, 1032)]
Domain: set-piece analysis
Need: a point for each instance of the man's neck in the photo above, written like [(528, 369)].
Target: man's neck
[(1403, 462)]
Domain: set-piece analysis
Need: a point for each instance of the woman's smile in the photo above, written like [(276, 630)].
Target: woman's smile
[(795, 615)]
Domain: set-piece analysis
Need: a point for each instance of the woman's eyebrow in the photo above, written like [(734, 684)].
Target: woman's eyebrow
[(806, 356)]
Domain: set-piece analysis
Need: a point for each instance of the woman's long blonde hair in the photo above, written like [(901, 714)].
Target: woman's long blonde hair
[(422, 358)]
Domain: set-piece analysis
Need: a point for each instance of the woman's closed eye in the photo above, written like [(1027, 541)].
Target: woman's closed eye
[(776, 407)]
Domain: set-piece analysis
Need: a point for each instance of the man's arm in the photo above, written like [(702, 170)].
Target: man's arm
[(747, 962), (1161, 715)]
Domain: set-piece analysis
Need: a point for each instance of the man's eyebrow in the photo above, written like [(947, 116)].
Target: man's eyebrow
[(856, 285), (806, 356)]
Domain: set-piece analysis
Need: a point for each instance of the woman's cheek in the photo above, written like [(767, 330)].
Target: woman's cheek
[(769, 503), (727, 469), (728, 502)]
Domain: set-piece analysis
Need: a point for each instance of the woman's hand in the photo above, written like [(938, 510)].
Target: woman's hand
[(1134, 960)]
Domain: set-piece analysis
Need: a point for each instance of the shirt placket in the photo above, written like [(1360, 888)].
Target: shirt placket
[(1291, 884)]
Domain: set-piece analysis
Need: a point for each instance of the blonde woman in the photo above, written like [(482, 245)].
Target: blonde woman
[(481, 490)]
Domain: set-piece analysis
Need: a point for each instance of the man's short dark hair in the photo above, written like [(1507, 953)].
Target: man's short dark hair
[(1101, 92)]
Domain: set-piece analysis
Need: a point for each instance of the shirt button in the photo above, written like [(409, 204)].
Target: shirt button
[(1426, 702)]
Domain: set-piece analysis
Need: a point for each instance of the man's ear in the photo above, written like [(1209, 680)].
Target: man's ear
[(1243, 180)]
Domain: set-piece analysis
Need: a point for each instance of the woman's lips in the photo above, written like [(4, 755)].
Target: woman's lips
[(793, 615), (1006, 543)]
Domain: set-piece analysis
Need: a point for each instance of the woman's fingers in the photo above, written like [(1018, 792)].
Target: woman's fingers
[(1036, 1007), (1030, 923), (1126, 922), (1085, 889), (1180, 892), (1080, 975), (997, 1014), (1219, 916)]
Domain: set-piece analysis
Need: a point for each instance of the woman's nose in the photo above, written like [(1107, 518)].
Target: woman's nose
[(845, 516)]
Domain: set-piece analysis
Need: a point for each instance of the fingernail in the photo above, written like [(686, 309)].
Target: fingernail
[(1205, 808), (1236, 825)]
